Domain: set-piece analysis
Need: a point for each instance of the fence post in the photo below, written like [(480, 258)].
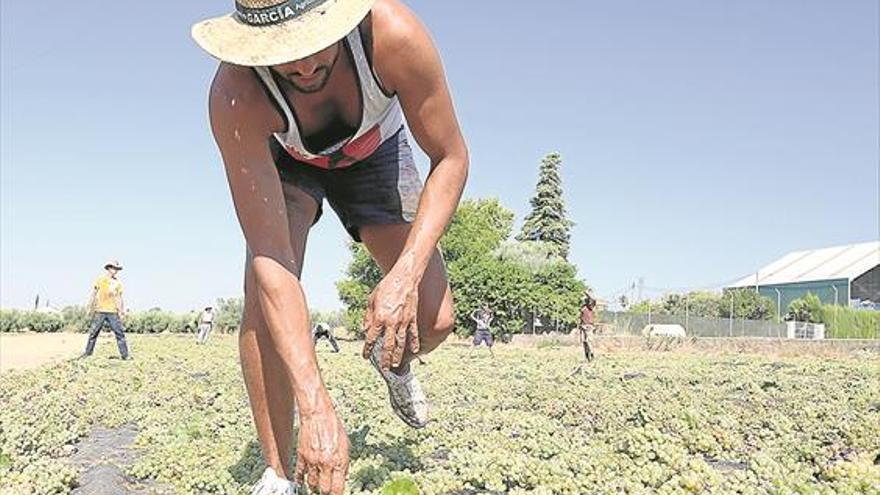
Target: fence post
[(778, 305), (836, 295), (687, 313), (731, 314)]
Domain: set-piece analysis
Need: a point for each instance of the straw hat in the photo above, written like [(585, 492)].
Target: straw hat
[(271, 32), (113, 264)]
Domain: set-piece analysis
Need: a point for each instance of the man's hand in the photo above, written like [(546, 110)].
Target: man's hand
[(322, 451), (391, 312)]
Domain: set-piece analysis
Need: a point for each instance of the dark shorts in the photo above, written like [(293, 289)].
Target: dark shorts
[(380, 190), (481, 336)]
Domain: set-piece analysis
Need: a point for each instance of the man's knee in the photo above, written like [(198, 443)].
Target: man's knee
[(444, 324)]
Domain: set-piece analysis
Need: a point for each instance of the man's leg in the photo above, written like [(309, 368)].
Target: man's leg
[(589, 344), (478, 339), (266, 377), (583, 338), (94, 331), (436, 318), (116, 326), (333, 343)]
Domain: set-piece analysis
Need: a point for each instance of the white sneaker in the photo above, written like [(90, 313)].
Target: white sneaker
[(407, 398), (272, 484)]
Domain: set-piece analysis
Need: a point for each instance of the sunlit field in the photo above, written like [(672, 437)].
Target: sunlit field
[(531, 420)]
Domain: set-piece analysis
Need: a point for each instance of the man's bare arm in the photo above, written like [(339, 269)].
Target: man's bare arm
[(410, 66), (243, 124), (242, 131)]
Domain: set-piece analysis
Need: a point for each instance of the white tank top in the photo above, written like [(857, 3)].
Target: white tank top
[(381, 118)]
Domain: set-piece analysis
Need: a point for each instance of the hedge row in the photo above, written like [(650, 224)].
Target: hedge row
[(75, 319), (848, 323)]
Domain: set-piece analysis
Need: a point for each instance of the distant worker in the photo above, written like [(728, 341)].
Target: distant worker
[(483, 318), (588, 326), (106, 306), (206, 324), (322, 330)]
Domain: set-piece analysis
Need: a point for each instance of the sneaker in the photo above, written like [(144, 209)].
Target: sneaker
[(272, 484), (407, 398)]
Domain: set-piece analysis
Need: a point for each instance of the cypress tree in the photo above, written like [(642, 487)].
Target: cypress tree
[(547, 222)]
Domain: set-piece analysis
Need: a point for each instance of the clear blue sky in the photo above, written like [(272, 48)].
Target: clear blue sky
[(701, 139)]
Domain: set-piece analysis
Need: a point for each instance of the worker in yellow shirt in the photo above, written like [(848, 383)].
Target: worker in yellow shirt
[(107, 306)]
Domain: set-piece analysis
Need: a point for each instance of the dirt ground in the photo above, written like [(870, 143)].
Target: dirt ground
[(30, 350)]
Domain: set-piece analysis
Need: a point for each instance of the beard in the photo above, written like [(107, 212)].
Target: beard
[(314, 85)]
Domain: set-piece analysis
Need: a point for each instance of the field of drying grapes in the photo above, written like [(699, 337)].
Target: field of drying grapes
[(532, 420)]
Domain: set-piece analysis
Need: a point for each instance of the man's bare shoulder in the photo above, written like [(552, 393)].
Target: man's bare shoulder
[(398, 36), (394, 22), (237, 95)]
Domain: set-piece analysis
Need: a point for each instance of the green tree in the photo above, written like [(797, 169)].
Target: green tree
[(547, 221), (477, 228), (747, 304), (644, 306), (698, 303), (514, 278), (807, 309)]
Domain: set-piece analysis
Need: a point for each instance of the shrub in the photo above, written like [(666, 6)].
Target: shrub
[(840, 322), (24, 321), (76, 319), (229, 314), (158, 321), (10, 320)]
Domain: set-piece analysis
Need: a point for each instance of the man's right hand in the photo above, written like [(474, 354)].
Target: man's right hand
[(322, 451)]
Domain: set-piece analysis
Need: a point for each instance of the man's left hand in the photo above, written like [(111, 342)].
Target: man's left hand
[(391, 311)]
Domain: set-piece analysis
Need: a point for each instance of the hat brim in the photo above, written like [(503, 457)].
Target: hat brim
[(231, 40)]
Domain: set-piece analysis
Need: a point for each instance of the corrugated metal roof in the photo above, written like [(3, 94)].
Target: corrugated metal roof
[(842, 262)]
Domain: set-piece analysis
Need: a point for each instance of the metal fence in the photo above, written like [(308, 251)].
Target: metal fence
[(622, 323)]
